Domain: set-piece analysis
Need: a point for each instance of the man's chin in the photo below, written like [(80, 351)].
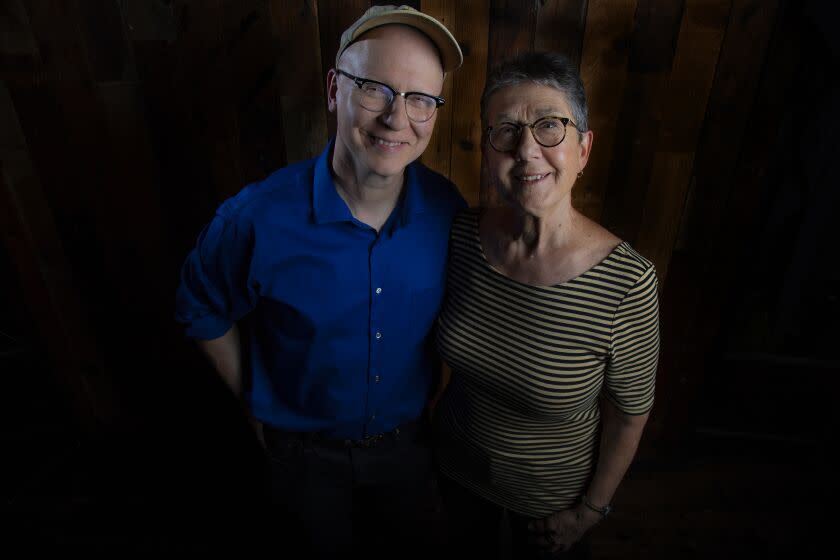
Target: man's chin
[(390, 167)]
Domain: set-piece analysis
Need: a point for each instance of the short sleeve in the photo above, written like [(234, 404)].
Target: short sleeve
[(216, 287), (634, 354)]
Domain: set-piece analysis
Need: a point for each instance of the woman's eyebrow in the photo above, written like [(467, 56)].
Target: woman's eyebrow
[(539, 113)]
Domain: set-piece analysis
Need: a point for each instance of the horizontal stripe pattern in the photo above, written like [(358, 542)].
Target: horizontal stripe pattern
[(518, 422)]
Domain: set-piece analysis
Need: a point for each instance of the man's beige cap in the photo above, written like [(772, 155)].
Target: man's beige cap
[(376, 16)]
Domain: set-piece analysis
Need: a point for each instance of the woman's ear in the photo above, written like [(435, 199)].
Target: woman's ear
[(586, 140)]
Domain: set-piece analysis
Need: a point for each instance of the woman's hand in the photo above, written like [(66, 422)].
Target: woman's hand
[(559, 531)]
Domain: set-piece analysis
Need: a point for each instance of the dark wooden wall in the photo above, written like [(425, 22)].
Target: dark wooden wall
[(124, 123)]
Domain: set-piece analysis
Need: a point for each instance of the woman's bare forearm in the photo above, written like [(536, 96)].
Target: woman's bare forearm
[(619, 441)]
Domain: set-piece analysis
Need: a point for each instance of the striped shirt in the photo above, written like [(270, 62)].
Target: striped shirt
[(518, 422)]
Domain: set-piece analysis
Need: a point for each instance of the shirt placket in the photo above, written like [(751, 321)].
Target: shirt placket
[(378, 335)]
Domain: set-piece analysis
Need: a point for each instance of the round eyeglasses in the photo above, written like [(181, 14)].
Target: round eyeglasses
[(376, 96), (547, 131)]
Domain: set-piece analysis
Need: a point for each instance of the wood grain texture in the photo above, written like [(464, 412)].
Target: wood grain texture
[(729, 108), (202, 80), (656, 27), (16, 38), (334, 16), (298, 78), (438, 154), (150, 20), (561, 25), (784, 141), (30, 236), (106, 46), (512, 27), (684, 106), (603, 68), (702, 245), (470, 25)]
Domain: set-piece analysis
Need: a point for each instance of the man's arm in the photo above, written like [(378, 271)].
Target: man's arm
[(226, 358)]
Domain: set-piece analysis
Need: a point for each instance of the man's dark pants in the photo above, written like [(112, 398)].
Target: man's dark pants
[(333, 498)]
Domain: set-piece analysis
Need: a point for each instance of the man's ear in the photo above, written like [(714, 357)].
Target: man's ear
[(332, 88)]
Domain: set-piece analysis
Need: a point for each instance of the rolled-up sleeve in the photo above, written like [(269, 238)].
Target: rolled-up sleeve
[(217, 287)]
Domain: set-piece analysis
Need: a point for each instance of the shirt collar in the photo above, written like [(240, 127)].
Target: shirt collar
[(328, 206)]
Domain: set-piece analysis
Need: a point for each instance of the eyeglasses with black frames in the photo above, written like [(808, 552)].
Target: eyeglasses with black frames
[(376, 96), (547, 131)]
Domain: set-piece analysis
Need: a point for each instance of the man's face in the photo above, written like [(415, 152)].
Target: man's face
[(381, 144)]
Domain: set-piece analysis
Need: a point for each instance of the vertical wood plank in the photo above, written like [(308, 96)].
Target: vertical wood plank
[(733, 94), (185, 178), (703, 244), (649, 66), (768, 153), (126, 202), (104, 225), (16, 38), (63, 104), (106, 44), (512, 27), (130, 201), (30, 235), (684, 105), (334, 17), (298, 78), (560, 27), (249, 62), (149, 21), (202, 79), (470, 25), (603, 68), (169, 105), (438, 153)]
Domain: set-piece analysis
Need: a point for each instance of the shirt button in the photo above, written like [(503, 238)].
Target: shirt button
[(378, 290), (378, 334), (376, 379)]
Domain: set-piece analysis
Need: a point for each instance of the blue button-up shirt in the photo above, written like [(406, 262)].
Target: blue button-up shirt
[(340, 314)]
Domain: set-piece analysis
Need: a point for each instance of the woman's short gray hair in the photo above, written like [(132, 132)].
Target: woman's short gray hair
[(543, 68)]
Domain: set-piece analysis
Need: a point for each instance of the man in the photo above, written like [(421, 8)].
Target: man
[(339, 263)]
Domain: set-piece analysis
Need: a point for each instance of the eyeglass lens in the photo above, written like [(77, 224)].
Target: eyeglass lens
[(377, 97), (547, 132)]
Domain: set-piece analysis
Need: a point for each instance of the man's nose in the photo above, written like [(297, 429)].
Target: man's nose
[(396, 114)]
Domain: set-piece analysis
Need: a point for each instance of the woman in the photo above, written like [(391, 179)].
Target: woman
[(550, 327)]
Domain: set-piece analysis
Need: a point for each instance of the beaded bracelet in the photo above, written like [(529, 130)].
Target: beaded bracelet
[(604, 511)]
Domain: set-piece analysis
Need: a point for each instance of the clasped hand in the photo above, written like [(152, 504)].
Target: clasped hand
[(560, 530)]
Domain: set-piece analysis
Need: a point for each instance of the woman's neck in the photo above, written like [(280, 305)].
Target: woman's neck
[(538, 235)]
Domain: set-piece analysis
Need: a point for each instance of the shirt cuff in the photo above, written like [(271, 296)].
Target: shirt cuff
[(208, 327)]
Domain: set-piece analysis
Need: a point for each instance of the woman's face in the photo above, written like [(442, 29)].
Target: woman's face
[(532, 177)]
